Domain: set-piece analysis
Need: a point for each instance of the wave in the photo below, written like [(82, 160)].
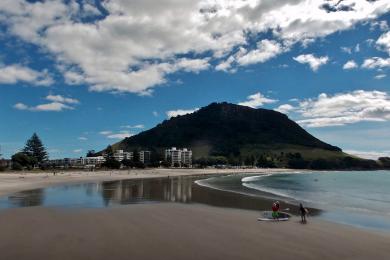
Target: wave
[(253, 178), (270, 191)]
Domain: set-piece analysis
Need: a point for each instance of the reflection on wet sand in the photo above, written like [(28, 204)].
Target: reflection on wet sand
[(136, 191), (28, 198), (111, 193)]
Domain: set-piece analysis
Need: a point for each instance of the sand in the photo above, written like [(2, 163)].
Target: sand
[(11, 182), (177, 231), (168, 230)]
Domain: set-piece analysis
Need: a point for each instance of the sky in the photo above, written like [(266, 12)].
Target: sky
[(83, 74)]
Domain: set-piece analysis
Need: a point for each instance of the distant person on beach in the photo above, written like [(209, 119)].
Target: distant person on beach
[(275, 210), (304, 212)]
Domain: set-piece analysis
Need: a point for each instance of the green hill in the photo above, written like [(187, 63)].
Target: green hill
[(229, 133)]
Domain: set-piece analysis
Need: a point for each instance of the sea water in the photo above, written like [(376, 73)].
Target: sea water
[(359, 198)]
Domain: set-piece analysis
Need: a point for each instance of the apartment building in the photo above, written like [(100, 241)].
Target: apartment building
[(179, 157)]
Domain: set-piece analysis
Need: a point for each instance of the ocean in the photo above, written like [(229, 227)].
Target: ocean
[(358, 198)]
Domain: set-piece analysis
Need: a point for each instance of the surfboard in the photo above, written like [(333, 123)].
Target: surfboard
[(268, 219), (267, 216)]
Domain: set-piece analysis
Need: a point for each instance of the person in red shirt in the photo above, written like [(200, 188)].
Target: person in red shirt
[(275, 210)]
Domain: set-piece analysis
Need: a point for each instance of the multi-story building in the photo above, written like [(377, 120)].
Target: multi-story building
[(144, 157), (78, 162), (178, 157), (186, 157)]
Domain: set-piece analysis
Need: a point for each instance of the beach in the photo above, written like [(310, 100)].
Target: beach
[(11, 182), (168, 230)]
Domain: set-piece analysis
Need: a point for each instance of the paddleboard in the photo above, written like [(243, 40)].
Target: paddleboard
[(267, 216), (268, 219)]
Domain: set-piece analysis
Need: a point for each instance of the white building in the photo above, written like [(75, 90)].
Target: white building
[(144, 156), (78, 162), (180, 157), (186, 157)]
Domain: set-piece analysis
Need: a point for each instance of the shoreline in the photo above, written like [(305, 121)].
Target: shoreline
[(11, 182)]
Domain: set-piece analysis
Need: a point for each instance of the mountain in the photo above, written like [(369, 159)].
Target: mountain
[(229, 130)]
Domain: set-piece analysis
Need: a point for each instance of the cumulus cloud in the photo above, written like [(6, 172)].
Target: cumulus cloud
[(376, 62), (17, 73), (266, 49), (180, 112), (61, 99), (351, 64), (383, 42), (314, 62), (53, 107), (58, 103), (135, 45), (257, 100), (346, 49), (345, 108), (285, 108)]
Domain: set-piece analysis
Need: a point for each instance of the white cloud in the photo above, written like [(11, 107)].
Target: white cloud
[(61, 99), (77, 150), (140, 126), (180, 112), (285, 108), (376, 62), (266, 49), (383, 42), (58, 103), (105, 132), (357, 48), (257, 100), (380, 76), (345, 108), (346, 49), (351, 64), (51, 107), (135, 45), (314, 62), (155, 113), (82, 138), (13, 74), (120, 135)]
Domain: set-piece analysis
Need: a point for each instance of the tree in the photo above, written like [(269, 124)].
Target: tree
[(135, 156), (21, 160), (35, 149), (127, 163), (109, 153), (110, 162)]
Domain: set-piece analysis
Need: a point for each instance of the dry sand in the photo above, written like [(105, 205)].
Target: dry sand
[(177, 231), (167, 230)]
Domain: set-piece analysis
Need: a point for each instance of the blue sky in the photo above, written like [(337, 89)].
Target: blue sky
[(84, 74)]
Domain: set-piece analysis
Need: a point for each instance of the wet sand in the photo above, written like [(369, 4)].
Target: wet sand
[(169, 230), (11, 182), (177, 231)]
